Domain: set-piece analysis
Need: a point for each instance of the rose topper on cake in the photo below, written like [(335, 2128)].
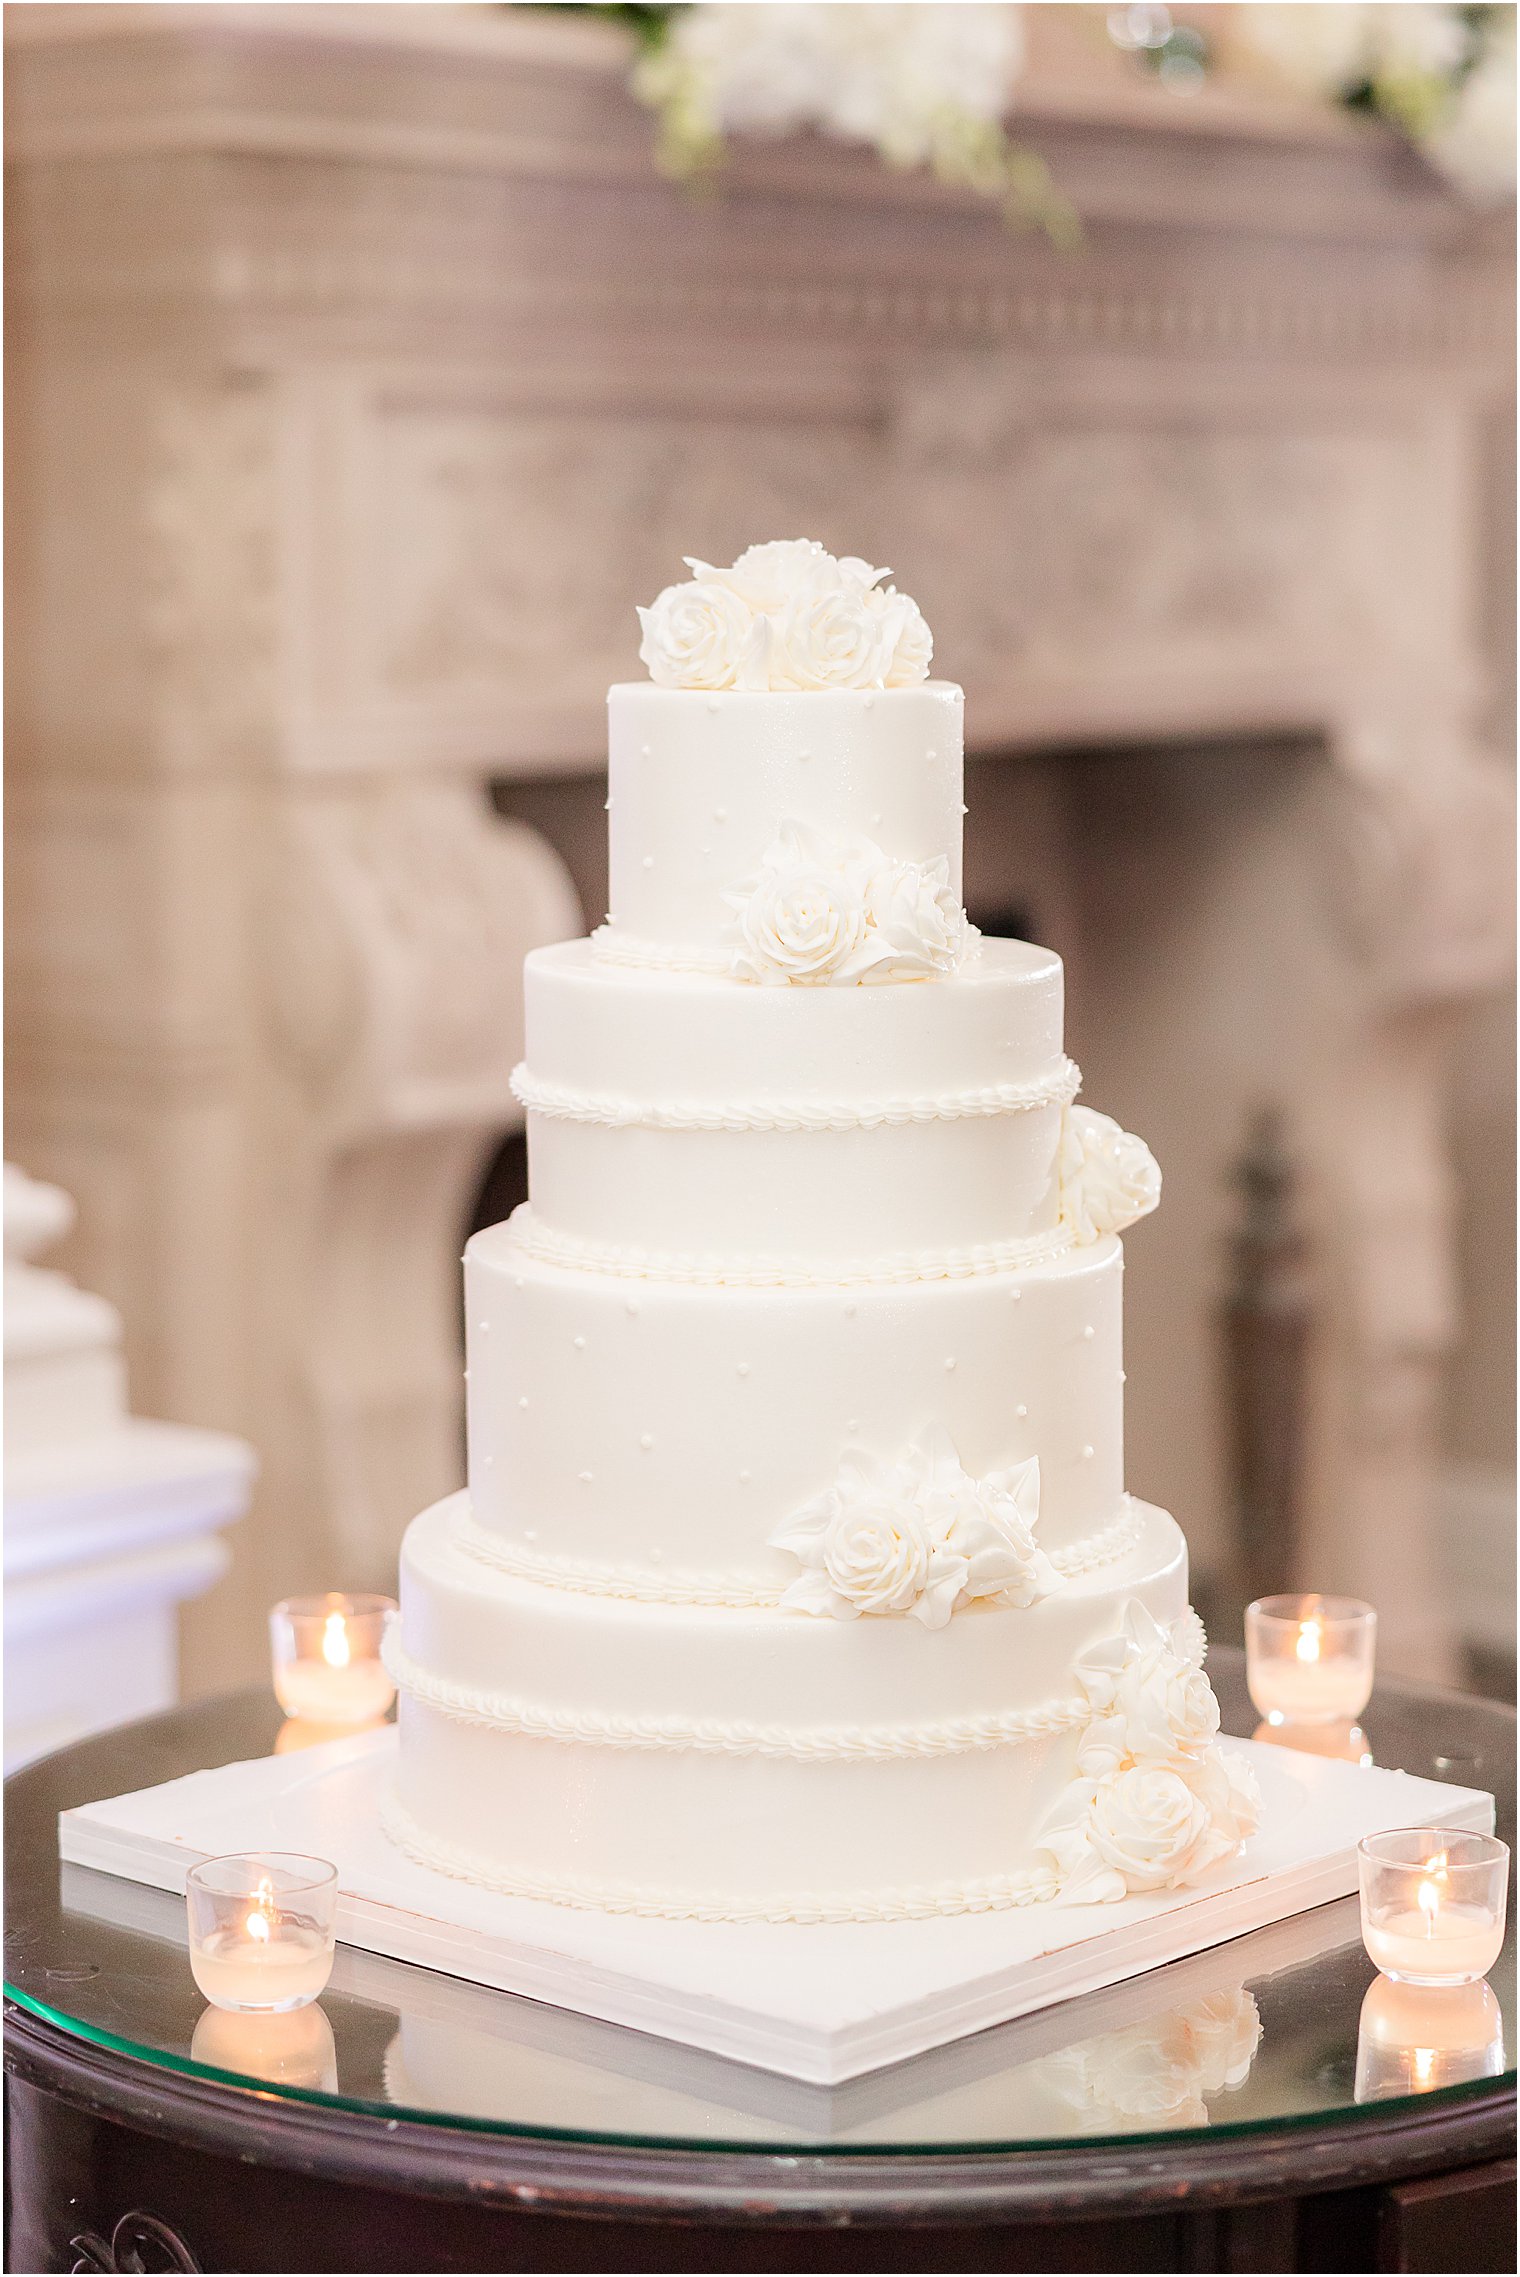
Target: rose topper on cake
[(785, 615)]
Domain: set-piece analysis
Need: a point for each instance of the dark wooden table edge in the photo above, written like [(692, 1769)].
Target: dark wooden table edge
[(607, 2181)]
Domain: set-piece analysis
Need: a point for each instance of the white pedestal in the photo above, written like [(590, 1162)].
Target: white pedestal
[(818, 2003)]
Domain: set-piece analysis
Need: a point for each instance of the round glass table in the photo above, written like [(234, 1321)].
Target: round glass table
[(1243, 2109)]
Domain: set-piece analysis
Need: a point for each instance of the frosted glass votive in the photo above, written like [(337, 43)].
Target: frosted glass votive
[(326, 1656), (1416, 2037), (1309, 1659), (1433, 1903), (261, 1929)]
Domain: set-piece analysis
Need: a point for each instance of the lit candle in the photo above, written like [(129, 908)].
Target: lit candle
[(261, 1929), (1309, 1659), (326, 1654), (1433, 1903)]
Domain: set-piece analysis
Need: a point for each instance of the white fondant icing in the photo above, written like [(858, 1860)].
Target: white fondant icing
[(830, 758)]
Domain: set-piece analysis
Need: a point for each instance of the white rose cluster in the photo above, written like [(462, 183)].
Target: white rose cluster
[(917, 1536), (823, 914), (1108, 1177), (1156, 1803), (785, 616)]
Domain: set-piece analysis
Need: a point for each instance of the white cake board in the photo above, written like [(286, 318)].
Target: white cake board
[(818, 2003)]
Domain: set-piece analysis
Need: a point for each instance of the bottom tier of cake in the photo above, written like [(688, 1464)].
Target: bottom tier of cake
[(752, 1764)]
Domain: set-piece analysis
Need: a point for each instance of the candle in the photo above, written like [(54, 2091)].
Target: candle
[(261, 1929), (1309, 1659), (1433, 1903), (326, 1654)]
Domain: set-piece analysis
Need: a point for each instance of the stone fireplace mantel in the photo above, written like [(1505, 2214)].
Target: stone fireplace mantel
[(364, 371)]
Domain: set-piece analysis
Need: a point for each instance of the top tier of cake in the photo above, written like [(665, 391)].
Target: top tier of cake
[(700, 784)]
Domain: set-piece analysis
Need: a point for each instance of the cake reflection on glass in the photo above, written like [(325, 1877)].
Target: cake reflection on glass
[(796, 1578)]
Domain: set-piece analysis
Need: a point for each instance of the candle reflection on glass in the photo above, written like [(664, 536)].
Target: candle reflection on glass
[(1342, 1742), (1433, 1902), (261, 1928), (1415, 2037), (1309, 1659), (294, 2048), (326, 1657)]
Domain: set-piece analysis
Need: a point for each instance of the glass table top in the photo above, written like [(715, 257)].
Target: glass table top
[(1271, 2029)]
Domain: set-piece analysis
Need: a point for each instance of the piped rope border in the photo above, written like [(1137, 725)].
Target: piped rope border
[(586, 1578), (575, 1255), (1000, 1893), (865, 1743), (564, 1103)]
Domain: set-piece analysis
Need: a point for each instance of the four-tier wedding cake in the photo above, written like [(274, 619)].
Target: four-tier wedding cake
[(796, 1578)]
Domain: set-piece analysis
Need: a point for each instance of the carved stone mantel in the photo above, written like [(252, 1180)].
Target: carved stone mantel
[(363, 371)]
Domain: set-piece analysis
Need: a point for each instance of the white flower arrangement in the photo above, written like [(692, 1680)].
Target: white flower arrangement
[(1443, 75), (821, 914), (923, 85), (918, 1536), (785, 615), (1108, 1177), (1156, 1803)]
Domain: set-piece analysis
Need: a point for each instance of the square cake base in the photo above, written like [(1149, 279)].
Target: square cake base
[(823, 2004)]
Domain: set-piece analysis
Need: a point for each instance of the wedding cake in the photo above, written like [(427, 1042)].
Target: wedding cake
[(796, 1579)]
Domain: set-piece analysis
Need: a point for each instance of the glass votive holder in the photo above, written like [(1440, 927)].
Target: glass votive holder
[(291, 2048), (1415, 2037), (261, 1929), (326, 1655), (1433, 1900), (1309, 1659)]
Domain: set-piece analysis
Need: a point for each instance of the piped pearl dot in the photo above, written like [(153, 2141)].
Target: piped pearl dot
[(649, 861), (467, 1375), (1087, 1454), (606, 806), (852, 1427), (720, 814), (964, 808), (713, 704), (488, 1462), (523, 1401), (656, 1557), (530, 1533), (1016, 1294), (1088, 1333), (1123, 1378), (707, 853), (876, 822), (949, 1364), (745, 1477), (483, 1327), (1021, 1411), (870, 704), (743, 1368), (804, 754), (579, 1342), (646, 1440), (585, 1478), (850, 1311), (517, 1281), (931, 754), (643, 751), (632, 1305)]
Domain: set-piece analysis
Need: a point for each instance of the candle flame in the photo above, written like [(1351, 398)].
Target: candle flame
[(335, 1646), (1428, 1897), (1310, 1636), (1424, 2066), (261, 1914)]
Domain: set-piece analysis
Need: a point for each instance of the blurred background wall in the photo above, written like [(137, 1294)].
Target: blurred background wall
[(365, 370)]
